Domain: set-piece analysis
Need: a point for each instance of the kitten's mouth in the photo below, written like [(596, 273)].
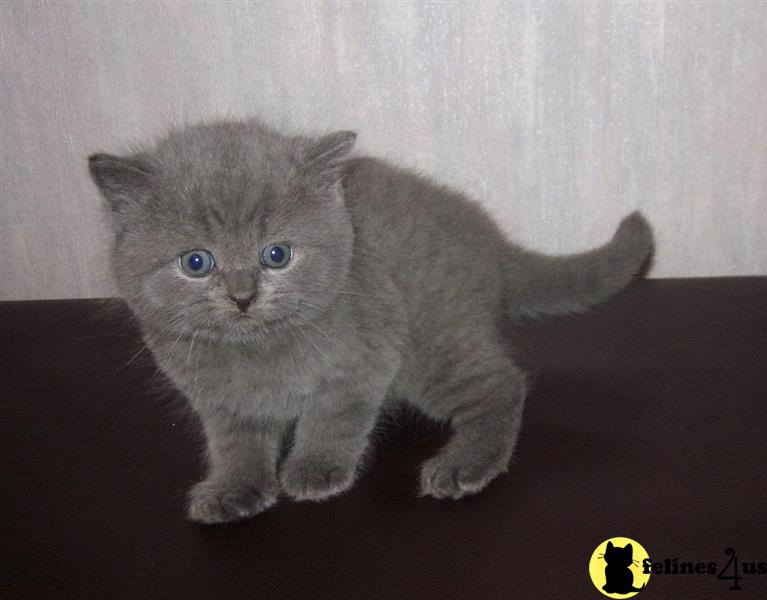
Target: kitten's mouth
[(257, 319)]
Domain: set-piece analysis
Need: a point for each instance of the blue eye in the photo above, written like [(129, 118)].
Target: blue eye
[(197, 263), (276, 256)]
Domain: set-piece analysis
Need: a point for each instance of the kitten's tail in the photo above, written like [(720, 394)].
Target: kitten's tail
[(539, 285)]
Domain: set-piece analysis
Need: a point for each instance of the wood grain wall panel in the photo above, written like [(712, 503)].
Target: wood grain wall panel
[(558, 117)]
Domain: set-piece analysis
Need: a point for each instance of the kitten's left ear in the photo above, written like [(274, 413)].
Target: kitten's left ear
[(326, 155), (120, 179)]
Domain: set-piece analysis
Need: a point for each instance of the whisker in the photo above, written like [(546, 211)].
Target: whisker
[(310, 305), (330, 290), (309, 339), (135, 356), (376, 309), (189, 354), (314, 326), (290, 350)]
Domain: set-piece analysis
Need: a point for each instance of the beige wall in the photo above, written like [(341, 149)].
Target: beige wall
[(558, 117)]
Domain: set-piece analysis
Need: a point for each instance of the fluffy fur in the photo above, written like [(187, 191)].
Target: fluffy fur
[(395, 291)]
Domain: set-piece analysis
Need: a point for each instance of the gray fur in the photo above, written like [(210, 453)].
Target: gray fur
[(396, 290)]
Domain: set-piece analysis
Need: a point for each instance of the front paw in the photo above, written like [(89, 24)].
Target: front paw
[(212, 501), (453, 476), (315, 478)]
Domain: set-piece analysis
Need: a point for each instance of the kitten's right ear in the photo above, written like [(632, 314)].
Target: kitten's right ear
[(610, 545), (120, 179), (324, 158), (331, 149)]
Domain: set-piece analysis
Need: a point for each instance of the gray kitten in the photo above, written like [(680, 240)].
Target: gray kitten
[(288, 290)]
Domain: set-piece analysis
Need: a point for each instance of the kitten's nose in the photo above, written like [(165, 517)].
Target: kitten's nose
[(242, 301)]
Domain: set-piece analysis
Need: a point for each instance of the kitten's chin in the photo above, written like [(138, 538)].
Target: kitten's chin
[(224, 328), (245, 328)]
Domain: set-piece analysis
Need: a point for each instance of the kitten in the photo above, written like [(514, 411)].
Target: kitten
[(618, 575), (288, 289)]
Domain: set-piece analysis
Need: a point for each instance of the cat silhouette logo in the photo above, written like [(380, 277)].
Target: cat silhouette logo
[(615, 568)]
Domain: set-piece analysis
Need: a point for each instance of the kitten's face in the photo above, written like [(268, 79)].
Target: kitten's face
[(225, 230)]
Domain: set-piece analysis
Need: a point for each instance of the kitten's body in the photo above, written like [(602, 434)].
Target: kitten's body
[(397, 290)]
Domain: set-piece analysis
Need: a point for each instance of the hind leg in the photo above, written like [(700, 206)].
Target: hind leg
[(482, 396)]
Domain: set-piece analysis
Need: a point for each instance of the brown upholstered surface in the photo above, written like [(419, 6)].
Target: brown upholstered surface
[(647, 420)]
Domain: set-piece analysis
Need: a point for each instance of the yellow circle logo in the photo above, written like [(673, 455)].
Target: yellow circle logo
[(616, 567)]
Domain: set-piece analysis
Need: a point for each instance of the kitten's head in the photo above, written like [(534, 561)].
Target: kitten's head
[(224, 229), (619, 556)]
